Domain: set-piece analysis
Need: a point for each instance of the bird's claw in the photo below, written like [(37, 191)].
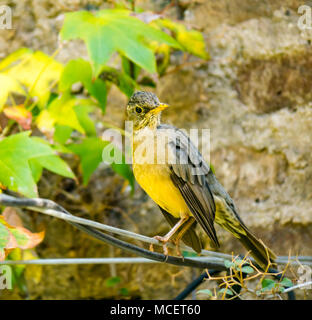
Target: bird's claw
[(164, 240)]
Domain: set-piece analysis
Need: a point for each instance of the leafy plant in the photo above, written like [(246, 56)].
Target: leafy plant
[(122, 32), (49, 110), (240, 273), (44, 87)]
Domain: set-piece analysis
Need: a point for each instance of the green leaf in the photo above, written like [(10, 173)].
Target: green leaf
[(228, 264), (268, 284), (125, 83), (113, 156), (286, 282), (81, 71), (129, 68), (112, 282), (124, 291), (75, 71), (226, 291), (62, 133), (108, 31), (15, 153), (205, 292), (55, 164), (247, 269), (93, 150), (238, 261), (90, 154), (36, 169), (99, 91), (82, 113), (15, 173)]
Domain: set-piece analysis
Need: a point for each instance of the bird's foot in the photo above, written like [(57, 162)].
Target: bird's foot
[(164, 241)]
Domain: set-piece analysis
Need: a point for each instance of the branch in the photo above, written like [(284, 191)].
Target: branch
[(68, 261), (52, 208)]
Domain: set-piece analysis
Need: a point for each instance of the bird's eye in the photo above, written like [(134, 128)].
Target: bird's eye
[(138, 109)]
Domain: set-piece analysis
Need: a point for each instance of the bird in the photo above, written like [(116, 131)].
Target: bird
[(171, 170)]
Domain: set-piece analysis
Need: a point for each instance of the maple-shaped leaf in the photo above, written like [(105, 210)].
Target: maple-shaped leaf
[(20, 272), (35, 70), (12, 237), (16, 237), (108, 31), (15, 153), (191, 40)]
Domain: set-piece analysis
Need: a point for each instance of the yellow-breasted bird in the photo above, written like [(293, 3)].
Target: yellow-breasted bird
[(171, 170)]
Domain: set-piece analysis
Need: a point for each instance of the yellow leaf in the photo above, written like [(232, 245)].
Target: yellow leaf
[(8, 84), (14, 58), (191, 40), (32, 272), (45, 122), (60, 111), (36, 70)]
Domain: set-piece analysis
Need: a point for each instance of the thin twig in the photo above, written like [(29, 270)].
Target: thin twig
[(301, 285)]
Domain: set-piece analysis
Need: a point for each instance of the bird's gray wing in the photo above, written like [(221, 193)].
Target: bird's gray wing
[(188, 173)]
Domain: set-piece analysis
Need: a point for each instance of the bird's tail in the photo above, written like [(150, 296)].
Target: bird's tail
[(261, 253)]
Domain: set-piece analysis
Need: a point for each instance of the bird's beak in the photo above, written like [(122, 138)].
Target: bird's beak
[(160, 108)]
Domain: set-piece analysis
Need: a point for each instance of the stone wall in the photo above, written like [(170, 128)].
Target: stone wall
[(254, 94)]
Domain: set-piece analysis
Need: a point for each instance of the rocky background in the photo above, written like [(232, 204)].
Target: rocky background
[(255, 96)]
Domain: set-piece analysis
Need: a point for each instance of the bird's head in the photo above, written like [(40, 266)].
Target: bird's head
[(144, 110)]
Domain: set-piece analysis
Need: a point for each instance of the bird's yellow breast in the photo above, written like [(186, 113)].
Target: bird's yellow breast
[(155, 181), (154, 177)]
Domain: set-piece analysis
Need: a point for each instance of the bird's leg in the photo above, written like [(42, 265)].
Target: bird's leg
[(180, 235), (165, 239)]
